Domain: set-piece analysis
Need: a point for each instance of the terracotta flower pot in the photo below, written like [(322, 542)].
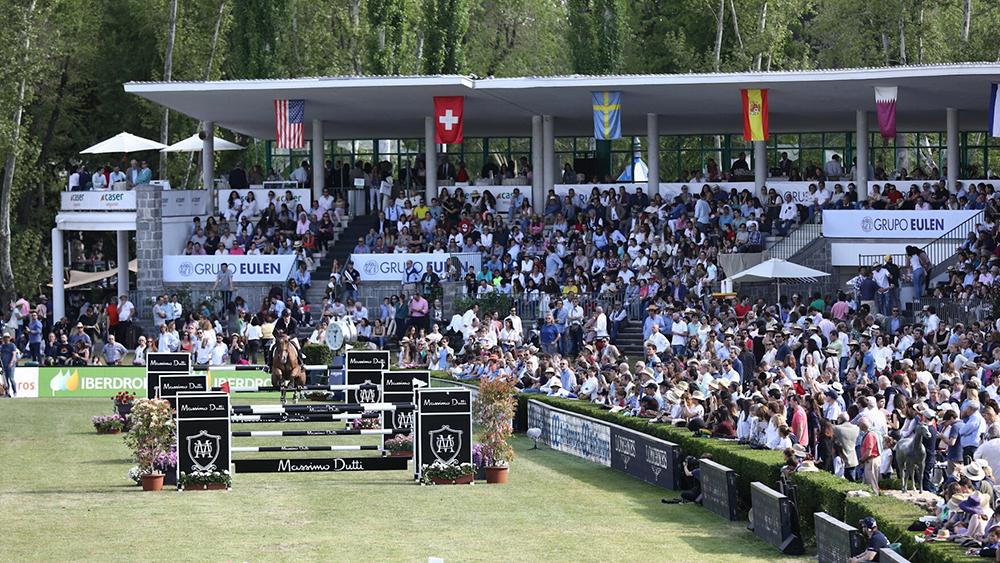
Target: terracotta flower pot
[(465, 479), (497, 475), (401, 454), (153, 482)]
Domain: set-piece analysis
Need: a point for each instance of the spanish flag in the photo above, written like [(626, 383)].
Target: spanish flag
[(754, 115)]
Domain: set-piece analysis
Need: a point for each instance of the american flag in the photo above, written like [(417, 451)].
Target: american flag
[(289, 120)]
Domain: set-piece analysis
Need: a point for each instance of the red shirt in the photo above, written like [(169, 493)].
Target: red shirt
[(112, 314), (869, 446), (741, 310)]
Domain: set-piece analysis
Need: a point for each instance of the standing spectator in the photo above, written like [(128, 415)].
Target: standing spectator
[(350, 280), (144, 175), (224, 285), (139, 357), (125, 311), (113, 351), (160, 311), (238, 178), (35, 338), (9, 354), (418, 310)]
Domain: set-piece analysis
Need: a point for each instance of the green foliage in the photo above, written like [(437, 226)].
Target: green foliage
[(596, 35), (446, 23), (494, 302), (253, 38), (494, 410), (29, 261), (387, 23), (318, 354)]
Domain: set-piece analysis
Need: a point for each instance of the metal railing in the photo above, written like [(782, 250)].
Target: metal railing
[(938, 250), (534, 306), (785, 247)]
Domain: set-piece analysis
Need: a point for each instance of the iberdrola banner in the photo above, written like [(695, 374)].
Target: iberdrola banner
[(754, 114)]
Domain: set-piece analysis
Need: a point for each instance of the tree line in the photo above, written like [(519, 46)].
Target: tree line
[(63, 62)]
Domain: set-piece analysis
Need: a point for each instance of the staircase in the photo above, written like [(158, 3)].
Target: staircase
[(786, 247), (630, 341), (341, 249)]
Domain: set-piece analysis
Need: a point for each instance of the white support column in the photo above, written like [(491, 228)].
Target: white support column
[(537, 165), (549, 164), (759, 165), (317, 158), (952, 149), (653, 154), (58, 286), (208, 164), (861, 154), (122, 248), (430, 159)]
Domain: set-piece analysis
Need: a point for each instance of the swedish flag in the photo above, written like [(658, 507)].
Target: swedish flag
[(607, 115)]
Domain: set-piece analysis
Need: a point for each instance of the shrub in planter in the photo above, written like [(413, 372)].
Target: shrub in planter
[(318, 354), (440, 473), (112, 424), (494, 411), (167, 464), (205, 481), (151, 436), (123, 403), (400, 445)]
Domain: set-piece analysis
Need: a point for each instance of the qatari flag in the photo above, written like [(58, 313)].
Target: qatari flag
[(885, 104)]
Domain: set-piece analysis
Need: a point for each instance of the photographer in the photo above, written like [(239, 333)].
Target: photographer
[(692, 472)]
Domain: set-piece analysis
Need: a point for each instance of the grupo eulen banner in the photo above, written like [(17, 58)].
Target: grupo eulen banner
[(392, 267), (204, 269), (870, 223)]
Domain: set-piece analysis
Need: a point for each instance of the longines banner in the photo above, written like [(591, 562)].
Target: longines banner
[(645, 457), (503, 194), (303, 197), (892, 224), (391, 267), (669, 190), (247, 269)]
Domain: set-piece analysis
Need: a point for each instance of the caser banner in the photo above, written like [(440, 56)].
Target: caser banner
[(914, 225), (246, 269), (98, 201), (391, 267)]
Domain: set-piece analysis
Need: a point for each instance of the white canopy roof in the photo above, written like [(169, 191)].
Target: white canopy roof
[(777, 269), (195, 144), (395, 107), (123, 143)]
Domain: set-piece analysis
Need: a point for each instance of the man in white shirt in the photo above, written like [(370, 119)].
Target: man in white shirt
[(834, 169), (176, 309), (74, 179), (125, 312), (220, 352), (679, 333), (167, 340), (160, 311), (789, 215), (657, 339), (300, 174), (98, 180)]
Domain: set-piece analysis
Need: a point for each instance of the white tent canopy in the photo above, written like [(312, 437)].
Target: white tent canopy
[(194, 143), (778, 270), (123, 143)]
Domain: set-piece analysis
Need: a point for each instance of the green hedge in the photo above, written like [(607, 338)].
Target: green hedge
[(817, 491), (751, 465)]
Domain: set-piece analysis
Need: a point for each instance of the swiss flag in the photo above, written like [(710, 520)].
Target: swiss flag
[(448, 119)]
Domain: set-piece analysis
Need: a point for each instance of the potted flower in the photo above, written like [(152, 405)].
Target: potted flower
[(112, 424), (166, 463), (477, 460), (494, 410), (151, 436), (123, 403), (205, 481), (373, 423), (400, 445), (441, 473)]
